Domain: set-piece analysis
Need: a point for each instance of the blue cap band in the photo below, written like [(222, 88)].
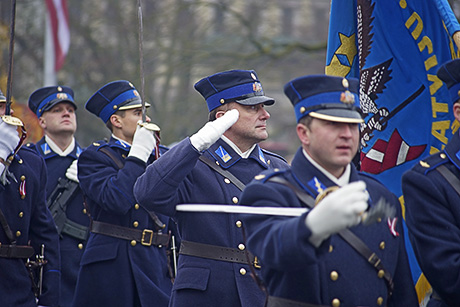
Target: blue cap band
[(109, 109), (213, 101), (317, 100), (50, 98)]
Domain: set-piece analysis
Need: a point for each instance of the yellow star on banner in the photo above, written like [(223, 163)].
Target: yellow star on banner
[(346, 48)]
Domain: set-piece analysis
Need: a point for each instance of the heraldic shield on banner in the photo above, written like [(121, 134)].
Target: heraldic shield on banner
[(395, 48)]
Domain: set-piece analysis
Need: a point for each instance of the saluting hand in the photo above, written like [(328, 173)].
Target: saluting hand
[(212, 131)]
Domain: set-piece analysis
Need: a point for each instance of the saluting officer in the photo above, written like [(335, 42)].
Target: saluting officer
[(305, 260), (125, 261), (431, 194), (25, 220), (211, 167), (55, 108)]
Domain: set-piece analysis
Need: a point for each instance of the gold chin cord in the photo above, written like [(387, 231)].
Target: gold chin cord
[(14, 121)]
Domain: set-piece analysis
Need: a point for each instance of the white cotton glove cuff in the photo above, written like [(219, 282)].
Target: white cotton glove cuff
[(9, 139), (212, 131), (143, 144), (337, 211), (72, 171)]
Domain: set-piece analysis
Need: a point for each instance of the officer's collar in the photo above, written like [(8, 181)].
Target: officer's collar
[(341, 181), (121, 142), (225, 154), (49, 148), (245, 154)]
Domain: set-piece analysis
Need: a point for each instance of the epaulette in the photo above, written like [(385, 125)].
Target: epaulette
[(273, 154), (267, 174), (431, 162)]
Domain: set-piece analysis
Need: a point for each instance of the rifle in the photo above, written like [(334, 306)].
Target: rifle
[(57, 202)]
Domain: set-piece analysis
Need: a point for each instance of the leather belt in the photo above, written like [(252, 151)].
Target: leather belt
[(216, 252), (146, 237), (16, 251), (274, 301)]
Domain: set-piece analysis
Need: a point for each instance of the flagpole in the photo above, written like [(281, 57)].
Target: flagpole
[(49, 73)]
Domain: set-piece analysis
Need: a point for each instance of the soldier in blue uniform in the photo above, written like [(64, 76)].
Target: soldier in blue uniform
[(431, 193), (212, 166), (55, 108), (26, 223), (125, 262), (308, 260)]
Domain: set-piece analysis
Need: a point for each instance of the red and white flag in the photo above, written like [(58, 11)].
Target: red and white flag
[(59, 20)]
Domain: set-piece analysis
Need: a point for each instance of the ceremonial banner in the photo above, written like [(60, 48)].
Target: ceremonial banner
[(59, 19), (395, 48)]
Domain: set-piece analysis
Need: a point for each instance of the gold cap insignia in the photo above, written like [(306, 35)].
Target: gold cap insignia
[(257, 87), (347, 97), (62, 96)]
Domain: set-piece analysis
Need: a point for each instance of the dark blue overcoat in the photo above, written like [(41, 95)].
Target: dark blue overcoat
[(178, 177), (433, 220), (24, 205), (334, 273), (71, 248), (113, 272)]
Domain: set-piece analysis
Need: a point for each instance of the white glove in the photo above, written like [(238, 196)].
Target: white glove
[(339, 210), (72, 171), (8, 141), (212, 131), (143, 143)]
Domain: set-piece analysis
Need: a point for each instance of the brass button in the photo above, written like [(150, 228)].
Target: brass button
[(135, 224), (23, 196), (239, 224), (331, 248), (21, 214), (133, 242), (136, 206), (382, 245), (243, 271), (268, 162), (80, 246), (23, 178), (334, 275), (379, 219), (381, 273), (235, 200), (226, 180), (443, 156), (84, 211), (123, 156), (380, 301), (241, 247), (335, 302), (302, 110), (18, 233), (222, 101), (20, 161), (115, 107)]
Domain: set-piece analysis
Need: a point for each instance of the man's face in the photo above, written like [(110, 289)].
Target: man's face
[(59, 119), (129, 123), (251, 127), (331, 144)]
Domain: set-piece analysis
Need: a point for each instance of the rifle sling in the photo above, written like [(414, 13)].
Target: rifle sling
[(120, 165), (346, 234), (223, 172), (450, 177)]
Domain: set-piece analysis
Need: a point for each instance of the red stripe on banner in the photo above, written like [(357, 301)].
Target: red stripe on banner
[(59, 17)]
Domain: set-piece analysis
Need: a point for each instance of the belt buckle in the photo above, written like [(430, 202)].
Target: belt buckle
[(374, 260), (149, 241)]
